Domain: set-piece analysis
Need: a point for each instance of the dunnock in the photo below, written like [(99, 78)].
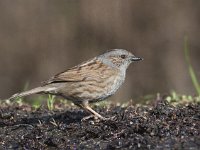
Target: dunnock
[(90, 81)]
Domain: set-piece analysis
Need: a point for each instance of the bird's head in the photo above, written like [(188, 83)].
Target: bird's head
[(118, 58)]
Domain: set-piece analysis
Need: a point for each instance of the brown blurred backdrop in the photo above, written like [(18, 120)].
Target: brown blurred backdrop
[(41, 38)]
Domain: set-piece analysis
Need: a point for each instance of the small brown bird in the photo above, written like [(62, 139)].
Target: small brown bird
[(90, 81)]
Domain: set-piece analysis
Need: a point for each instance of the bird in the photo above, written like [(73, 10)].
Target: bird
[(90, 81)]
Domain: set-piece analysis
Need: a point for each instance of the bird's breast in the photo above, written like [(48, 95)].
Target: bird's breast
[(114, 82)]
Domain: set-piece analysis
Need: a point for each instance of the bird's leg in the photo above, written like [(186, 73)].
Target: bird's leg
[(86, 107)]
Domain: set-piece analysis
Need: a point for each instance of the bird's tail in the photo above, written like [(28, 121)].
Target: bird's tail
[(29, 92)]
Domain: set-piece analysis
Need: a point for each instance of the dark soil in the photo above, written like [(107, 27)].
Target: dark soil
[(157, 126)]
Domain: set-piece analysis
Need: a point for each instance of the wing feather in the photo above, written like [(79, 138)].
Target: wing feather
[(91, 70)]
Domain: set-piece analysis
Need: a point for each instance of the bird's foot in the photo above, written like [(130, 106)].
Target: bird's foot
[(88, 118), (97, 118)]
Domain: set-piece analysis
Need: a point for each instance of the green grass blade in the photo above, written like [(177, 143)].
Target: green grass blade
[(194, 79), (191, 70), (50, 102)]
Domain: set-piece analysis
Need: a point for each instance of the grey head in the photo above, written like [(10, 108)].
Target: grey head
[(118, 58)]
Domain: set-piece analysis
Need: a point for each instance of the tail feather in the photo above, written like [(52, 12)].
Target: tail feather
[(26, 93)]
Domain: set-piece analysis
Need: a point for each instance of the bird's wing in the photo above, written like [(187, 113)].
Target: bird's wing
[(91, 70)]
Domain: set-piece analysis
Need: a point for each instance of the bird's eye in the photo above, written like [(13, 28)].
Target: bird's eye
[(123, 56)]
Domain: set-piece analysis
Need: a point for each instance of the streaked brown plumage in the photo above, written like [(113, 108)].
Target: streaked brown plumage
[(90, 81)]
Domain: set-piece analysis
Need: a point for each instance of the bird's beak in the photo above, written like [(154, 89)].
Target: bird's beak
[(133, 58)]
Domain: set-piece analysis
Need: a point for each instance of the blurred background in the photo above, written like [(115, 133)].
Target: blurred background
[(41, 38)]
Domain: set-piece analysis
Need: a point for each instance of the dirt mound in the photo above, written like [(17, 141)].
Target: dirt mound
[(161, 126)]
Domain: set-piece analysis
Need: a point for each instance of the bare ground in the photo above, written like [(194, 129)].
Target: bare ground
[(156, 126)]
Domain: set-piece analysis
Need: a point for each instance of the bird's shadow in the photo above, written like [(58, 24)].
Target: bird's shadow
[(66, 118)]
